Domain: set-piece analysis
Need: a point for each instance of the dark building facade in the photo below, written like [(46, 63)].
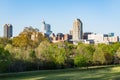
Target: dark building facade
[(85, 35), (8, 30)]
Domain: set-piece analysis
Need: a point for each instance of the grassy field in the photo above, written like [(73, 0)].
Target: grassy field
[(92, 73)]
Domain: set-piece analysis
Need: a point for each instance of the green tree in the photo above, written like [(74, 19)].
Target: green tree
[(102, 56), (24, 39), (115, 46), (117, 57), (4, 42), (83, 55), (5, 60), (41, 54), (59, 55), (80, 61)]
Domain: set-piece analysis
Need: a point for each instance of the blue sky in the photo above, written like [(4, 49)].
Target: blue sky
[(98, 16)]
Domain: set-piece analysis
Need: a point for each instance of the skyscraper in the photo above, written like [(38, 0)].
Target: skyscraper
[(46, 28), (77, 30), (8, 30)]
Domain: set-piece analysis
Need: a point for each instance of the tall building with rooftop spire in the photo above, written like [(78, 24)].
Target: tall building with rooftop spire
[(46, 28)]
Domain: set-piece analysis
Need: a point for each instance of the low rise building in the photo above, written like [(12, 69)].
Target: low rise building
[(60, 37), (103, 38)]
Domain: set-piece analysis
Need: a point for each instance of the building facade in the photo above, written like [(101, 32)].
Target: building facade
[(77, 30), (60, 37), (46, 29), (8, 30), (103, 38), (85, 35)]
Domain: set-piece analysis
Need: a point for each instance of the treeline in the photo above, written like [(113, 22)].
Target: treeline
[(24, 54)]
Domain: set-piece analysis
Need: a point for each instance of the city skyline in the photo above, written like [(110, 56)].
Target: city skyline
[(99, 16)]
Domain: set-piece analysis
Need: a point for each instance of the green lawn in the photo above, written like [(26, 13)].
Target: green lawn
[(93, 73)]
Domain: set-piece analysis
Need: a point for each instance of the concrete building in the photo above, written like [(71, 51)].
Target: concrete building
[(98, 38), (8, 30), (71, 32), (111, 39), (77, 30), (46, 29), (103, 38)]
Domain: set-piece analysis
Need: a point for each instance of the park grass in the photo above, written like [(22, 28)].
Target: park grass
[(92, 73)]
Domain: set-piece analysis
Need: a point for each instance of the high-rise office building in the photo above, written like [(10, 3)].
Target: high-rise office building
[(46, 28), (77, 30), (8, 31)]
